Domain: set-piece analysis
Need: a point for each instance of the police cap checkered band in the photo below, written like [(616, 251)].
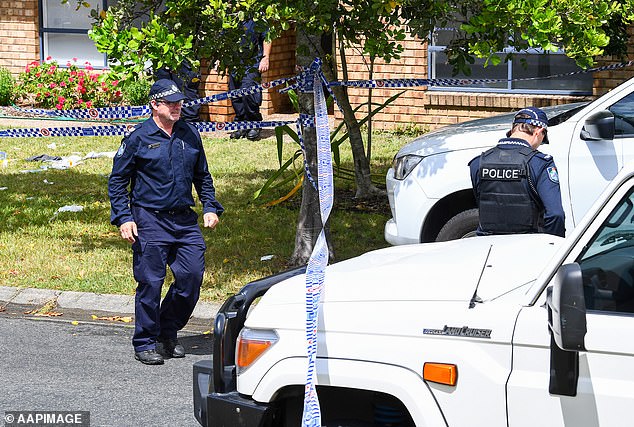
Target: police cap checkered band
[(533, 116), (167, 90)]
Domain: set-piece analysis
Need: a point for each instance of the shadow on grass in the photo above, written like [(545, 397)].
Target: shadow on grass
[(247, 232), (33, 199)]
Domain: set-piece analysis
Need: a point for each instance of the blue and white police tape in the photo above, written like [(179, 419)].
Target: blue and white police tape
[(45, 132), (239, 93), (101, 113), (401, 83), (113, 130), (300, 136), (316, 269), (303, 79), (231, 126)]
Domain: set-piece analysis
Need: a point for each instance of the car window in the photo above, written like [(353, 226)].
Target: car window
[(607, 262), (560, 117), (623, 112)]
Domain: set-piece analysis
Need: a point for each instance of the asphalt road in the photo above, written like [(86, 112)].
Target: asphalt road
[(53, 365)]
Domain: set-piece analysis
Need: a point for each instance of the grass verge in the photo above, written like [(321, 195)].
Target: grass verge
[(80, 251)]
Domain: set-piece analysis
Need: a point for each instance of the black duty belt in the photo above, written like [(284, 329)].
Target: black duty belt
[(175, 211)]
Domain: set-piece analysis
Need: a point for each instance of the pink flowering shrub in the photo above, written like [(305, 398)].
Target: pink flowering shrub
[(47, 85)]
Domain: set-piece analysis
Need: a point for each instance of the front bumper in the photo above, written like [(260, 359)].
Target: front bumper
[(226, 409), (392, 236), (216, 400), (409, 205)]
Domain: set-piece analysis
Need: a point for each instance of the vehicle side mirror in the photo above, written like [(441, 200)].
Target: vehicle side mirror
[(567, 324), (567, 308), (599, 126)]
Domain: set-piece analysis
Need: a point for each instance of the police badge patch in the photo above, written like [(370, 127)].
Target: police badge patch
[(121, 150), (552, 174)]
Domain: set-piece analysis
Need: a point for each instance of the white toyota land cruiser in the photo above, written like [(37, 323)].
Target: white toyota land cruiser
[(429, 188), (517, 330)]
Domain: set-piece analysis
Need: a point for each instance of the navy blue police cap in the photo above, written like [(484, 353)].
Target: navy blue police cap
[(533, 116), (167, 90)]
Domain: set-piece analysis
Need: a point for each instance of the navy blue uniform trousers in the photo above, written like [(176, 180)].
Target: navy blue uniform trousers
[(165, 238), (247, 108)]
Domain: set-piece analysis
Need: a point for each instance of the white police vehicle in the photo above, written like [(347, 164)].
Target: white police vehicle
[(429, 188), (514, 330)]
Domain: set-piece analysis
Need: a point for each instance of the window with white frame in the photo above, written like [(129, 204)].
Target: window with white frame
[(525, 64), (64, 32)]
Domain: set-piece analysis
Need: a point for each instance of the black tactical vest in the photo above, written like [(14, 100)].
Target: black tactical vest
[(506, 203)]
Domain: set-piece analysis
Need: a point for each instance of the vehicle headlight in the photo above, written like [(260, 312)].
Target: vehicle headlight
[(404, 165), (252, 343)]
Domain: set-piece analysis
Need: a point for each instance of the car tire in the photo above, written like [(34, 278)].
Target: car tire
[(461, 226)]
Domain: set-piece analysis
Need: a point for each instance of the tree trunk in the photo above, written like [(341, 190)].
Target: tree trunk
[(363, 179), (309, 223)]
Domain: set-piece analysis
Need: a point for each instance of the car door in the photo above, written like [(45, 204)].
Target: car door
[(593, 164), (623, 111), (605, 389)]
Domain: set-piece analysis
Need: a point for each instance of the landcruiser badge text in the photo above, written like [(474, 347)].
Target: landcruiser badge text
[(465, 331)]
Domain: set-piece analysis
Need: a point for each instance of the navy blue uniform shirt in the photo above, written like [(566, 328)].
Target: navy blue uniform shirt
[(160, 171), (544, 183)]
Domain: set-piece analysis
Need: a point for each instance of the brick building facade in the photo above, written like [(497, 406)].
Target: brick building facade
[(19, 26)]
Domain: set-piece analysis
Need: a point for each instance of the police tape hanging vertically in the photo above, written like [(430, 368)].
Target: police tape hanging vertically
[(315, 271)]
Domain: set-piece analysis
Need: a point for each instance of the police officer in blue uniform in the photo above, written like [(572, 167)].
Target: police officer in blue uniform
[(517, 187), (247, 108), (159, 161)]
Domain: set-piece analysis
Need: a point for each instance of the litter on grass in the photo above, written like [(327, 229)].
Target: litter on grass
[(71, 208), (67, 208)]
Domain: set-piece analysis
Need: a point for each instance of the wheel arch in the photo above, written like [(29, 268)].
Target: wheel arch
[(360, 407), (364, 378), (444, 210)]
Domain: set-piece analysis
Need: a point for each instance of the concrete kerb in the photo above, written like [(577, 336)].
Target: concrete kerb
[(87, 301)]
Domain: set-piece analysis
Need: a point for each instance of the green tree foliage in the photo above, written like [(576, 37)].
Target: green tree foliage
[(584, 29), (7, 87), (212, 29)]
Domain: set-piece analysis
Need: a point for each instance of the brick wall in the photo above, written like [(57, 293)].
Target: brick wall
[(281, 64), (19, 29), (431, 109), (405, 109)]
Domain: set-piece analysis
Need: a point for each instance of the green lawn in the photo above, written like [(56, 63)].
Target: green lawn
[(81, 251)]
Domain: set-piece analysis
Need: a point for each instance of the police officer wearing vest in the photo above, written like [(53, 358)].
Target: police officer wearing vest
[(517, 187), (159, 161)]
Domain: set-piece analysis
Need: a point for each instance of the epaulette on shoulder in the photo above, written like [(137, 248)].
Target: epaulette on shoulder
[(131, 129), (543, 156)]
